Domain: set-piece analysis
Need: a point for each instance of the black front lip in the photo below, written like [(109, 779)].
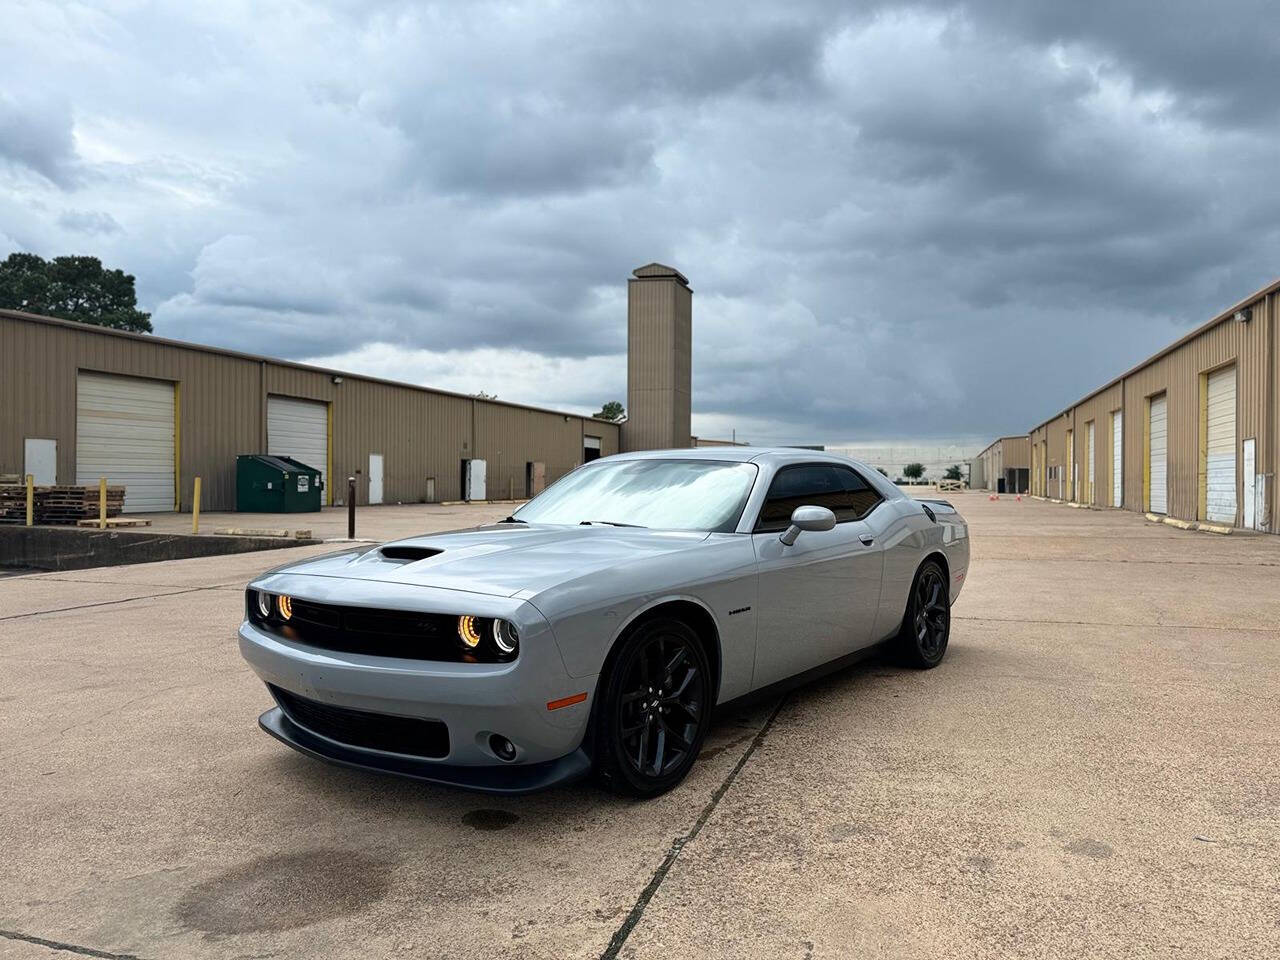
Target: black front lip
[(508, 779)]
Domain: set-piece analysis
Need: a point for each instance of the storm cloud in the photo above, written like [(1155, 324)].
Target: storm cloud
[(900, 220)]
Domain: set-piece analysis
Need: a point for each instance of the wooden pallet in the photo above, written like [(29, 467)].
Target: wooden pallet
[(60, 504), (115, 522)]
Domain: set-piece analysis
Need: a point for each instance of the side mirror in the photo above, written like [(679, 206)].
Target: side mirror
[(807, 518)]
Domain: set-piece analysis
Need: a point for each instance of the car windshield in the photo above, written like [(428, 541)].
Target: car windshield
[(664, 494)]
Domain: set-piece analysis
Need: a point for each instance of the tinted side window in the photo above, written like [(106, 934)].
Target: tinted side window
[(861, 497), (839, 489)]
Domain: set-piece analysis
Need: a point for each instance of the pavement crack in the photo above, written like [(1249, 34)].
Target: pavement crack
[(66, 947), (109, 603), (642, 902), (1109, 623)]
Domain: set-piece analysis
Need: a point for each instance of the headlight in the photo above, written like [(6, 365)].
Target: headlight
[(468, 632), (505, 637), (285, 606), (264, 605)]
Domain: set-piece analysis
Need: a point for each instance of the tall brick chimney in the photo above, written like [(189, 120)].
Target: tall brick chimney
[(659, 359)]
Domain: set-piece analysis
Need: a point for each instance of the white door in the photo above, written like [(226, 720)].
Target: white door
[(1158, 437), (1220, 453), (300, 429), (375, 478), (1117, 459), (125, 432), (1251, 510), (40, 460), (1089, 432), (475, 479)]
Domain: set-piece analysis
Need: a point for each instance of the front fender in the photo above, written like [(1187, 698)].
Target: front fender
[(589, 615)]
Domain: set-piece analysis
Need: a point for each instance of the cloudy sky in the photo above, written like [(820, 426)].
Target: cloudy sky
[(901, 221)]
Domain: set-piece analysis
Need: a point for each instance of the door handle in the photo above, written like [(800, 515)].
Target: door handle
[(867, 539)]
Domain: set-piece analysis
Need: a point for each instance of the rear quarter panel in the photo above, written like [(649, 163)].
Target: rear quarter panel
[(909, 537)]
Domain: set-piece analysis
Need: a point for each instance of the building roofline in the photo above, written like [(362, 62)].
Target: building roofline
[(1222, 317), (989, 446), (258, 358)]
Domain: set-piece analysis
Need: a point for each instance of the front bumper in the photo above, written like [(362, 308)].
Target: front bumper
[(503, 778), (473, 700)]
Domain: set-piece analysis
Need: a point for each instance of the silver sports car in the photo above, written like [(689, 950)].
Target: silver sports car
[(597, 627)]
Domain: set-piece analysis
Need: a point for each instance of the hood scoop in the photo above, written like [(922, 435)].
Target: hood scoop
[(406, 554)]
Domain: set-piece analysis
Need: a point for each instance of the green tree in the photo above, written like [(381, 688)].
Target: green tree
[(952, 472), (73, 288), (613, 410), (913, 471)]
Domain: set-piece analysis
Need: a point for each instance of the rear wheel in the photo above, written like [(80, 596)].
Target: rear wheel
[(926, 627), (655, 709)]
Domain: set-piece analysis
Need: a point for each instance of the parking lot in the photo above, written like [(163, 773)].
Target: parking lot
[(1094, 771)]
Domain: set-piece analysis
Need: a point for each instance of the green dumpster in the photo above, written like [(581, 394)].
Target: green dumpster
[(267, 484)]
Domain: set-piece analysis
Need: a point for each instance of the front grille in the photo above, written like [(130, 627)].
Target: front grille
[(361, 728), (378, 633)]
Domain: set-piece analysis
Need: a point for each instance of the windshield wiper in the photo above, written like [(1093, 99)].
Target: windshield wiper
[(512, 520), (611, 523)]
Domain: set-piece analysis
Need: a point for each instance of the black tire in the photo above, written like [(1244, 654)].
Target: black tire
[(654, 709), (926, 625)]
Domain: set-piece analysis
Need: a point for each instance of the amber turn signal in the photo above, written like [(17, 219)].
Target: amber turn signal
[(468, 633)]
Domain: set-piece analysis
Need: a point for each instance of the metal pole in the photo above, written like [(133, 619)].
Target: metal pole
[(195, 508), (102, 503), (351, 508), (31, 499)]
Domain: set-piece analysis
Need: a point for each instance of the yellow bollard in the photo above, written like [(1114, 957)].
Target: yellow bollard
[(31, 500), (102, 503), (195, 508)]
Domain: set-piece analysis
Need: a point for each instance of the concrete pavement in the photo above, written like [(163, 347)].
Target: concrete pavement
[(1092, 772)]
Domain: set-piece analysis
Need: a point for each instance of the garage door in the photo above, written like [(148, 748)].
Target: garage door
[(1093, 473), (1220, 451), (125, 432), (1158, 438), (300, 429), (1117, 459)]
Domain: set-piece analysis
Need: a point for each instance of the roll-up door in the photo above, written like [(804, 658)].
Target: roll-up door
[(1090, 496), (1117, 458), (1158, 438), (125, 432), (300, 429), (1220, 449)]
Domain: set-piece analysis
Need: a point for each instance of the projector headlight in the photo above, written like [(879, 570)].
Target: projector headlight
[(505, 637), (285, 606), (264, 605)]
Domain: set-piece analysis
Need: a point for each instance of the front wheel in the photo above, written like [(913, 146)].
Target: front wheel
[(926, 626), (655, 709)]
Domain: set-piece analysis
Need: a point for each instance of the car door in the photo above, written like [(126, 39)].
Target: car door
[(818, 598)]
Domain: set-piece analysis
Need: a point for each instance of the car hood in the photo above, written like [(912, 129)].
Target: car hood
[(500, 560)]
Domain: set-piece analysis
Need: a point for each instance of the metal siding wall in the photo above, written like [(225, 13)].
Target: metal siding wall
[(1016, 452), (507, 438), (1178, 375), (1098, 409), (223, 413)]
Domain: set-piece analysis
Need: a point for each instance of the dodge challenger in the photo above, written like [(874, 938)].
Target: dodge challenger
[(597, 628)]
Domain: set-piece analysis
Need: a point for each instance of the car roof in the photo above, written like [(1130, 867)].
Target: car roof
[(768, 456), (734, 454)]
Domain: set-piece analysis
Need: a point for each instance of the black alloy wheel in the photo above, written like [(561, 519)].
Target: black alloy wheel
[(926, 626), (655, 711)]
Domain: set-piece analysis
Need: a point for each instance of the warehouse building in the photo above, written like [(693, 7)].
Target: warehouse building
[(1190, 433), (81, 402), (1003, 467)]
